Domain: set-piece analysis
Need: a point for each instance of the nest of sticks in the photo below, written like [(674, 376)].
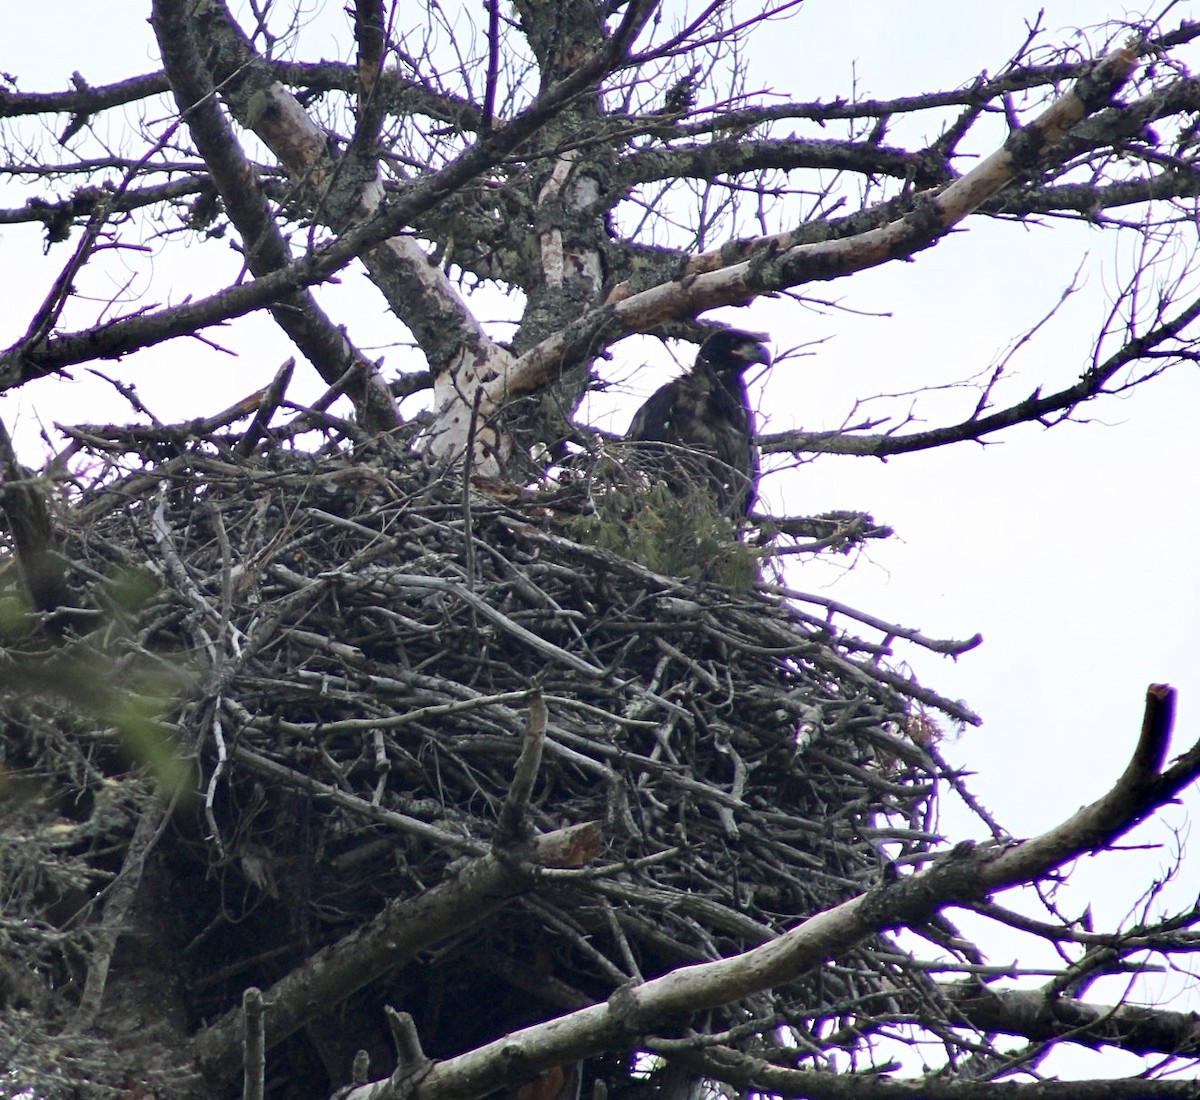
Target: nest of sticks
[(344, 648)]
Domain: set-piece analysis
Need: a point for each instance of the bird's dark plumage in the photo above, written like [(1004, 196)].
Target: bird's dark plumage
[(702, 425)]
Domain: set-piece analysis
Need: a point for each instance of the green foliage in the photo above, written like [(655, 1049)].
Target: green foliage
[(128, 591), (680, 535), (104, 677), (14, 612)]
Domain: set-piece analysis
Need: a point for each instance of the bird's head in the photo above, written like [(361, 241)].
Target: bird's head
[(730, 349)]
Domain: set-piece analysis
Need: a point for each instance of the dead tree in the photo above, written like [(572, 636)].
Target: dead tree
[(360, 751)]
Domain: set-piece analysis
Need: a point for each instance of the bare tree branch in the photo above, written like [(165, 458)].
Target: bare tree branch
[(324, 344), (1036, 407), (964, 874), (402, 930), (1039, 1017), (775, 265)]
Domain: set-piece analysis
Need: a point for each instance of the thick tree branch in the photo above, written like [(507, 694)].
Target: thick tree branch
[(1033, 1015), (774, 266), (343, 192), (84, 99), (58, 217), (371, 36), (404, 928), (1092, 201), (323, 343), (964, 874), (130, 333), (755, 1075), (1141, 789), (648, 266), (400, 95)]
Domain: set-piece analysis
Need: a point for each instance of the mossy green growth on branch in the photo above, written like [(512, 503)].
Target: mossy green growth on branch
[(680, 535)]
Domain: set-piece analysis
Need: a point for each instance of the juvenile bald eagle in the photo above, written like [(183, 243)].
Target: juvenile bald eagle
[(701, 425)]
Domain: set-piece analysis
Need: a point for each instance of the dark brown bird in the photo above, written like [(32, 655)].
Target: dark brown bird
[(701, 426)]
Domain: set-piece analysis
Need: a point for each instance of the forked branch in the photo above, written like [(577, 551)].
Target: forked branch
[(966, 873), (770, 264)]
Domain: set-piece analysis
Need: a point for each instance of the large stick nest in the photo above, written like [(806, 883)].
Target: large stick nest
[(347, 646)]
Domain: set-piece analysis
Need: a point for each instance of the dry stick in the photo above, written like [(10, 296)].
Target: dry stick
[(534, 641), (271, 400), (512, 826), (255, 1059), (621, 940), (321, 791), (116, 911), (177, 571), (468, 462), (936, 645), (309, 416), (439, 584), (872, 673), (367, 725), (412, 1063)]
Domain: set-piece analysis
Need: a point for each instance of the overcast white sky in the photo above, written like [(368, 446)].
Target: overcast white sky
[(1074, 551)]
